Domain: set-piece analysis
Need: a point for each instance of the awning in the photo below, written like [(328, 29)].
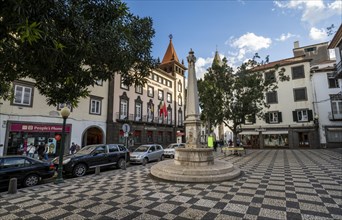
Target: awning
[(275, 132), (249, 133)]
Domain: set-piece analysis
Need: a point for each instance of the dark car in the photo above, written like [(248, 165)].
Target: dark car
[(28, 171), (91, 156)]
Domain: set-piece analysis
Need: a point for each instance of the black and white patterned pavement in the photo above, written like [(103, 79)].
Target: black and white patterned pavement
[(275, 184)]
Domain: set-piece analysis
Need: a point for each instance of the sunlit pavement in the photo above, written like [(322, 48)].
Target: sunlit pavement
[(275, 184)]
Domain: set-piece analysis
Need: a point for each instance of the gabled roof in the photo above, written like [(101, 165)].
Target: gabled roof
[(170, 54), (336, 39), (284, 62)]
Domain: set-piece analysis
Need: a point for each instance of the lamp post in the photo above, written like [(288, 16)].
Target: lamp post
[(316, 121), (65, 112)]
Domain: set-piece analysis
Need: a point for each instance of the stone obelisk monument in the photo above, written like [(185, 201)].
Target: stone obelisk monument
[(194, 163)]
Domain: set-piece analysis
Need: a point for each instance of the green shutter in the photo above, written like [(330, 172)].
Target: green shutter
[(280, 117), (294, 114)]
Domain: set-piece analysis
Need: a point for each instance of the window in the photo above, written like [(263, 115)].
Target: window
[(270, 77), (137, 136), (180, 100), (179, 86), (302, 115), (150, 91), (310, 49), (155, 77), (122, 85), (180, 117), (113, 148), (169, 97), (15, 162), (333, 82), (150, 111), (298, 72), (149, 136), (138, 110), (23, 95), (95, 105), (169, 84), (160, 94), (336, 105), (62, 105), (300, 94), (123, 109), (100, 150), (160, 80), (138, 89), (273, 117), (272, 97), (169, 116)]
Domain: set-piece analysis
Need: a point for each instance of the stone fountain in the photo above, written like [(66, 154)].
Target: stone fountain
[(194, 163)]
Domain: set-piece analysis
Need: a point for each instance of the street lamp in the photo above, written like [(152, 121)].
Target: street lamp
[(65, 112), (316, 121)]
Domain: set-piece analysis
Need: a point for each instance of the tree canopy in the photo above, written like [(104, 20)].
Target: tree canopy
[(67, 46), (232, 97)]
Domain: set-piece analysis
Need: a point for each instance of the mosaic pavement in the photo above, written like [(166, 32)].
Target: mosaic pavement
[(275, 184)]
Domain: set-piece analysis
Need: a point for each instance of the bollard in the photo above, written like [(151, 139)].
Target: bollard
[(97, 170), (12, 187)]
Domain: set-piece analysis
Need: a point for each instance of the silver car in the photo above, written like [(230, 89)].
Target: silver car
[(169, 151), (147, 152)]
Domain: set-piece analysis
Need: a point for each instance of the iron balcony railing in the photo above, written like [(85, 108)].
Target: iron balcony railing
[(146, 119), (338, 73), (335, 116)]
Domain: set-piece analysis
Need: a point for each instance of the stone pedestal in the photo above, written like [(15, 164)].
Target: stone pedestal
[(194, 163)]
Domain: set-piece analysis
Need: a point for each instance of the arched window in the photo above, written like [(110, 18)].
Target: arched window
[(180, 117), (179, 86), (123, 111), (138, 109), (150, 111)]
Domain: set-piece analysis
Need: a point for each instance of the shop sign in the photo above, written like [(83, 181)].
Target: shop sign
[(39, 128)]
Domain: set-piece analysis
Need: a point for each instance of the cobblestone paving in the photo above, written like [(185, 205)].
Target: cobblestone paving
[(275, 184)]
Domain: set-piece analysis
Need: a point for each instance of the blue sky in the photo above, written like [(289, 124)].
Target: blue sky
[(237, 28)]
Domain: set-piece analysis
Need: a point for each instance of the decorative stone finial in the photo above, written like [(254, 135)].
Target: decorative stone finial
[(191, 57), (170, 36)]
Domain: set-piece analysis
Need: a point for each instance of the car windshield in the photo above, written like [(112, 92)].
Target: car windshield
[(86, 150), (171, 146), (142, 148)]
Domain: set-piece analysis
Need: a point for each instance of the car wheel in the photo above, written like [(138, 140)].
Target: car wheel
[(145, 161), (121, 163), (31, 180), (80, 170), (172, 156), (162, 157)]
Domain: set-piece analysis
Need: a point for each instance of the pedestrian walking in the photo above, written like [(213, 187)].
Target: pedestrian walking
[(31, 150)]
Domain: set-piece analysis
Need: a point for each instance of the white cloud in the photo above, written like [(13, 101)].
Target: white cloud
[(284, 37), (202, 65), (318, 34), (249, 43), (312, 11)]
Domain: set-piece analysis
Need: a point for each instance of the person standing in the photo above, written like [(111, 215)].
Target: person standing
[(31, 150), (72, 148), (41, 150)]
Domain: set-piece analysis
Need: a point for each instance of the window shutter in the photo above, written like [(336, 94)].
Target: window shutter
[(254, 119), (280, 117), (267, 117), (310, 116), (294, 114)]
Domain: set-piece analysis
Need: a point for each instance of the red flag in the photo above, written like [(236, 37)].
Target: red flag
[(161, 108), (165, 110)]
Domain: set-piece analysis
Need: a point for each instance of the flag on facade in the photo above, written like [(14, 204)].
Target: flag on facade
[(164, 110), (161, 108)]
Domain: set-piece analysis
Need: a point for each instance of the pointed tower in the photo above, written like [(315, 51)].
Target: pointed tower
[(170, 62), (217, 59)]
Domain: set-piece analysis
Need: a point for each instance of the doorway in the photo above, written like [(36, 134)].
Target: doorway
[(92, 135), (303, 138)]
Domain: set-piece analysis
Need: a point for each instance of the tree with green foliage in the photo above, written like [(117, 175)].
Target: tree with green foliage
[(231, 97), (67, 46)]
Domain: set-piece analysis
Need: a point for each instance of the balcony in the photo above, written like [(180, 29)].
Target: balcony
[(144, 119), (335, 116), (338, 73)]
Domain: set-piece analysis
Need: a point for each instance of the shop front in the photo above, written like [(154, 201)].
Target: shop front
[(21, 134)]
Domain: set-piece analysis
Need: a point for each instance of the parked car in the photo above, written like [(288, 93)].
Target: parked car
[(91, 156), (169, 151), (146, 153), (28, 171)]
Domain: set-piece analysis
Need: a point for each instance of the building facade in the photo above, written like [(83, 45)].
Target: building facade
[(28, 119), (155, 112), (290, 120)]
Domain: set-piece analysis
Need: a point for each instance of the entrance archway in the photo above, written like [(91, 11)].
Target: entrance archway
[(92, 135)]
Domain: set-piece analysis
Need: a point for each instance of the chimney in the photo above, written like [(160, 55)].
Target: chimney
[(296, 44)]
